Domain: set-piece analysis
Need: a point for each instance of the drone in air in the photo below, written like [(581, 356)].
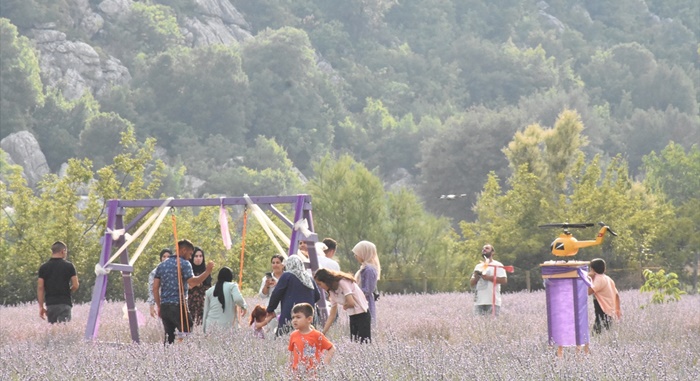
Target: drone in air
[(566, 245)]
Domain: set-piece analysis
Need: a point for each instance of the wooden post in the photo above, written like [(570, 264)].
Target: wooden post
[(695, 273), (425, 282), (527, 280)]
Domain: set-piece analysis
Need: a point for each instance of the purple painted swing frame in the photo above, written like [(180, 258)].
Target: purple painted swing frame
[(115, 220)]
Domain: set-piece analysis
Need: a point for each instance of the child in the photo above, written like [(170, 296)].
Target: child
[(306, 344), (257, 320), (606, 299)]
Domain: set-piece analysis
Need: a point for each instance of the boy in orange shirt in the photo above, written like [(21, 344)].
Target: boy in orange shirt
[(606, 298), (306, 344)]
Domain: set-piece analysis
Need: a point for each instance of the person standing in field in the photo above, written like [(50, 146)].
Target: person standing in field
[(172, 307), (220, 302), (294, 286), (606, 298), (482, 281), (57, 280), (195, 301), (369, 273), (343, 291), (328, 254), (164, 254), (267, 286)]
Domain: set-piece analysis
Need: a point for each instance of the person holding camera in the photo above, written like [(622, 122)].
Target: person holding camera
[(483, 282), (269, 280)]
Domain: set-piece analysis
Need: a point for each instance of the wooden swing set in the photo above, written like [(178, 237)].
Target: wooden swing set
[(117, 235)]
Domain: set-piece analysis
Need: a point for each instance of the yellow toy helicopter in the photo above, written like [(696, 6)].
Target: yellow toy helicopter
[(566, 245)]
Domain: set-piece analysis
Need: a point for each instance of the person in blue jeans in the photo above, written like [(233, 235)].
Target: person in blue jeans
[(171, 305)]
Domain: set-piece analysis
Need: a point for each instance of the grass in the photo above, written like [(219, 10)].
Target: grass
[(418, 337)]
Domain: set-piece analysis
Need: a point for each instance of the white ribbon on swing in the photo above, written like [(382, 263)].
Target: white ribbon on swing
[(268, 225), (160, 213)]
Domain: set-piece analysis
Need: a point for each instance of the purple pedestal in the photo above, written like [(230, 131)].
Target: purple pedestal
[(567, 304)]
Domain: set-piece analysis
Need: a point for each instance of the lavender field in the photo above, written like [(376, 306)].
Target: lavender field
[(418, 337)]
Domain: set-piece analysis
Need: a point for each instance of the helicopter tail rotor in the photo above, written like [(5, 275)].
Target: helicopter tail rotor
[(603, 225)]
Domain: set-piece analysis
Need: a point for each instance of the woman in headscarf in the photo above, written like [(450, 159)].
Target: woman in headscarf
[(369, 273), (221, 300), (195, 298), (293, 287)]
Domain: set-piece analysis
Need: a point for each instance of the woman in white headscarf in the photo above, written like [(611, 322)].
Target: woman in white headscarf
[(293, 287), (368, 274)]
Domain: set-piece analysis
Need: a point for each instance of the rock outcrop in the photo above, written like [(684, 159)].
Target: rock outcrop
[(75, 67), (23, 149), (216, 22)]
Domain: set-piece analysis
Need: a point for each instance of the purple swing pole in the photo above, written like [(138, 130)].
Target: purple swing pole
[(98, 292), (129, 297)]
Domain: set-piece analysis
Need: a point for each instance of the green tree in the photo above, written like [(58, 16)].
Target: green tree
[(27, 14), (20, 84), (670, 86), (664, 287), (376, 138), (360, 17), (262, 169), (500, 75), (192, 93), (148, 28), (675, 173), (458, 157), (647, 131), (611, 73), (419, 246), (99, 141), (427, 25), (290, 99), (273, 14), (349, 205), (59, 212), (57, 125), (553, 182)]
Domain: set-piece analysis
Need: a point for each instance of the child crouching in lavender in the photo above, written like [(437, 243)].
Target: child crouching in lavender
[(257, 321)]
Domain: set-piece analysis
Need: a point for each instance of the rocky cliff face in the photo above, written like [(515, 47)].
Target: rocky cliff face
[(74, 66)]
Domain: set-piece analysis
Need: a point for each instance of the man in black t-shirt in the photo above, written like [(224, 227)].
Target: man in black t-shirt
[(57, 279)]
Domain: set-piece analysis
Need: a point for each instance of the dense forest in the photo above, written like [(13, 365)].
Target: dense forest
[(531, 111)]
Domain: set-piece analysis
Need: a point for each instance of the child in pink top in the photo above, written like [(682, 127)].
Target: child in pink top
[(606, 298)]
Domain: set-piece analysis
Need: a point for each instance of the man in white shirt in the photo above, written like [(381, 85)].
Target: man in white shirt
[(324, 261), (329, 252), (485, 298)]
